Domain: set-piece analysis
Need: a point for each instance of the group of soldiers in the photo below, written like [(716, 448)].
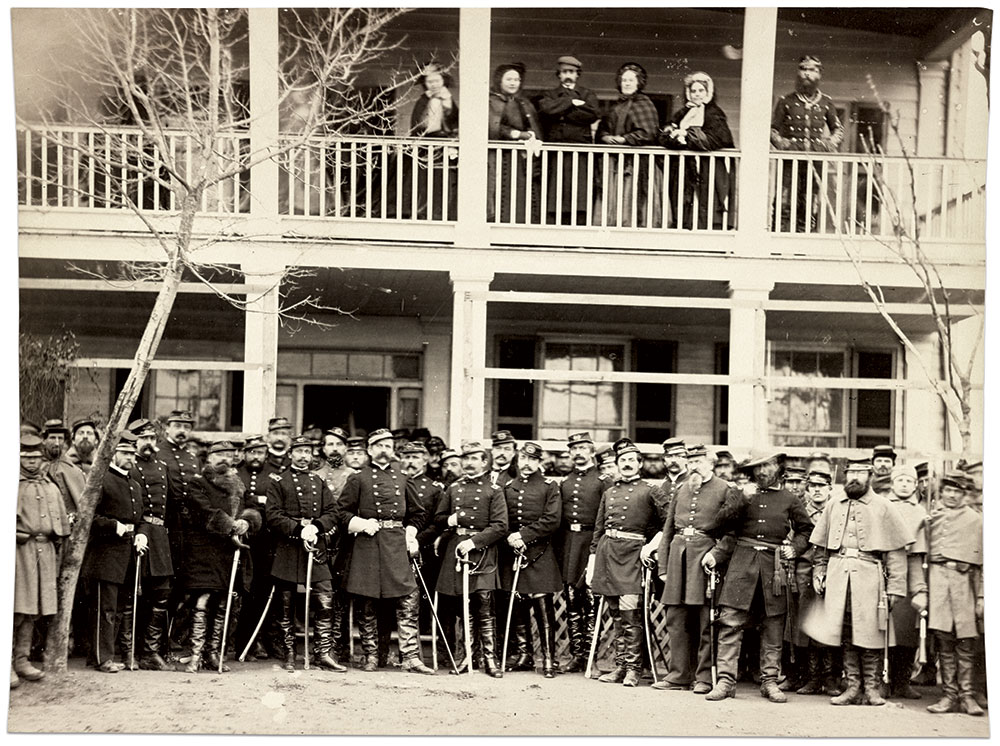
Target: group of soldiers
[(189, 556)]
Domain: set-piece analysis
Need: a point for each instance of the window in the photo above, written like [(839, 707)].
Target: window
[(569, 406), (722, 394), (516, 399), (873, 410), (201, 392), (654, 402), (864, 127)]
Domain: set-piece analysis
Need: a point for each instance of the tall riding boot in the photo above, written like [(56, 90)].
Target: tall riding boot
[(525, 660), (900, 670), (632, 627), (852, 671), (965, 654), (829, 670), (286, 624), (156, 630), (323, 646), (213, 647), (545, 616), (814, 683), (22, 649), (367, 614), (871, 668), (576, 630), (617, 674), (124, 641), (486, 627), (198, 633), (339, 633), (948, 667)]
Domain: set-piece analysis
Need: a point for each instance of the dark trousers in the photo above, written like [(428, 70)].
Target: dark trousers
[(687, 624), (112, 599)]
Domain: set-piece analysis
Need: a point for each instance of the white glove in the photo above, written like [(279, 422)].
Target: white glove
[(647, 552), (787, 551), (310, 533), (123, 528), (141, 543), (589, 575), (437, 547), (359, 525), (412, 546), (515, 540), (749, 490), (453, 519), (578, 102), (240, 527), (708, 561), (466, 546)]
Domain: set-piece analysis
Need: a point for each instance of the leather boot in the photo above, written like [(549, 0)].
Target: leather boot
[(900, 669), (948, 668), (632, 627), (486, 625), (339, 633), (15, 682), (367, 617), (965, 655), (22, 648), (830, 676), (813, 684), (576, 630), (124, 641), (199, 631), (286, 623), (852, 670), (525, 660), (323, 646), (545, 617), (213, 647), (724, 689), (617, 674), (770, 690), (871, 673), (156, 630)]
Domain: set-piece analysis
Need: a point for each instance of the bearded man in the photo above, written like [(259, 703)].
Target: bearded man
[(85, 439)]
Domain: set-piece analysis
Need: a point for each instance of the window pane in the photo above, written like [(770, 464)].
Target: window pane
[(875, 410), (585, 357), (831, 365), (612, 357), (609, 403), (406, 367), (557, 357), (555, 402), (653, 402), (166, 383), (516, 353), (409, 408), (515, 399), (364, 366), (285, 402)]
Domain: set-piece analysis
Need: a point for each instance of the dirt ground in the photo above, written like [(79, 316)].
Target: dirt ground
[(259, 697)]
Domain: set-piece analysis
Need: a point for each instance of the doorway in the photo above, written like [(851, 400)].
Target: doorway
[(355, 408)]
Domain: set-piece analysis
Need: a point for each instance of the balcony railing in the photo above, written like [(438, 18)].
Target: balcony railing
[(118, 168), (828, 194), (647, 189)]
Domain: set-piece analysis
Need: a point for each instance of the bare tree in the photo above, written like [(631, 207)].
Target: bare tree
[(950, 375), (172, 141), (44, 372)]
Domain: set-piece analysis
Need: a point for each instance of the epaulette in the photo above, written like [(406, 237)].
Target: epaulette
[(276, 476)]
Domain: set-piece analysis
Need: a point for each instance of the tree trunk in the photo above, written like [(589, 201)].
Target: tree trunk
[(75, 545)]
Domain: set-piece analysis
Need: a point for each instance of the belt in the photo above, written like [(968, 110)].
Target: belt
[(388, 523), (858, 554), (42, 538), (953, 565), (153, 519), (462, 531), (758, 545), (691, 531), (580, 527), (614, 533)]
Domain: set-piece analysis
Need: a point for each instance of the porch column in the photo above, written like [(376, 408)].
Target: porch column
[(932, 122), (473, 124), (757, 80), (747, 352), (263, 41), (468, 351), (260, 344)]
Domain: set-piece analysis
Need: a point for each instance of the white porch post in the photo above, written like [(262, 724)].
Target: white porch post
[(260, 345), (933, 119), (468, 351), (757, 78), (473, 119), (747, 351), (263, 40)]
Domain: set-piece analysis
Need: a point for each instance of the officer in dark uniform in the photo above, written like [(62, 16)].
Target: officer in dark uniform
[(428, 493), (380, 514), (150, 474), (760, 517), (504, 449), (332, 470), (606, 463), (110, 559), (533, 514), (675, 459), (356, 457), (630, 515), (301, 514), (279, 441), (474, 517), (690, 530), (580, 494)]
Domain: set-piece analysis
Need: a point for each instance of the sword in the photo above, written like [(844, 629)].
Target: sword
[(713, 580), (135, 611), (229, 604), (518, 563), (256, 630), (437, 621), (434, 633), (466, 619), (310, 550), (646, 598), (594, 638)]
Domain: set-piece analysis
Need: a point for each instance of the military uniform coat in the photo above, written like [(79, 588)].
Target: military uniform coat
[(109, 555), (628, 505), (294, 498), (905, 620), (581, 497), (182, 468), (214, 504), (869, 524), (41, 521), (379, 565), (671, 487), (690, 530), (483, 512), (761, 520), (955, 559), (151, 476), (533, 509), (256, 483), (335, 478), (427, 493)]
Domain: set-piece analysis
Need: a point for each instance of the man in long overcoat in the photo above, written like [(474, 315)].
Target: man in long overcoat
[(859, 537)]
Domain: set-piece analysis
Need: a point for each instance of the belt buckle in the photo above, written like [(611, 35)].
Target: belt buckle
[(688, 531), (576, 527), (759, 548)]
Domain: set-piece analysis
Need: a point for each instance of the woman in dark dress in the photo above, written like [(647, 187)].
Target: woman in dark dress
[(700, 126), (512, 117), (435, 114)]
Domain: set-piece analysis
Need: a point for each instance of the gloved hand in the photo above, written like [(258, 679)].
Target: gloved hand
[(141, 543), (310, 533), (240, 527), (919, 602), (437, 547), (749, 491), (787, 551), (648, 553), (464, 547), (453, 519), (589, 575), (412, 545), (708, 561), (359, 525), (123, 528), (515, 540), (819, 582)]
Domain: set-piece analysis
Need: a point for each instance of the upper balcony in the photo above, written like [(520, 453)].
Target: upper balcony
[(389, 186)]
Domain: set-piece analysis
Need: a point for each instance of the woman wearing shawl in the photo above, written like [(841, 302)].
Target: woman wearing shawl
[(512, 117), (435, 114), (700, 126)]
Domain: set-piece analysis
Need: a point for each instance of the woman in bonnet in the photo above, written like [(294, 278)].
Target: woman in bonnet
[(512, 117), (700, 126)]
